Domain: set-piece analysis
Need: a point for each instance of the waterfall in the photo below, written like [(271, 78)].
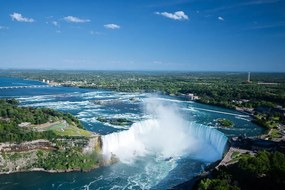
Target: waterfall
[(213, 136), (166, 139)]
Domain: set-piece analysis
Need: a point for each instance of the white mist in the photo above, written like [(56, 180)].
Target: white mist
[(167, 135)]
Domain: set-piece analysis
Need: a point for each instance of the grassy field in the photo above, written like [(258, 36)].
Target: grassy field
[(63, 129), (72, 131), (275, 134), (235, 155)]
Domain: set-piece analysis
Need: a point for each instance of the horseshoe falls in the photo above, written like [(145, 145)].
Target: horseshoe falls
[(166, 135), (150, 138)]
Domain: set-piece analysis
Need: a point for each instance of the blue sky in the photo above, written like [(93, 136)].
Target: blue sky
[(187, 35)]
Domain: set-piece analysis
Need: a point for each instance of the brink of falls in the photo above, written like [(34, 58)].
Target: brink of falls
[(153, 137)]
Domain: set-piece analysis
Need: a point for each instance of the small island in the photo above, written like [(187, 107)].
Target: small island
[(115, 121), (225, 122)]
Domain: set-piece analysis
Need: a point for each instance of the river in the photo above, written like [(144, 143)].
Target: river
[(156, 169)]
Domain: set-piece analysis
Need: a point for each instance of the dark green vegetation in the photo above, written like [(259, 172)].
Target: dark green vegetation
[(269, 118), (11, 115), (69, 159), (225, 122), (10, 109), (67, 155), (263, 171)]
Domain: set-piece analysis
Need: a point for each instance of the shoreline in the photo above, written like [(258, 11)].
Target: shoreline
[(50, 171)]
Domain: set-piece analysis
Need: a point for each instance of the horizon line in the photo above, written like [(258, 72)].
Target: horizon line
[(140, 70)]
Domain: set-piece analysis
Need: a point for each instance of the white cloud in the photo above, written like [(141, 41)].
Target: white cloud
[(4, 27), (18, 17), (55, 23), (221, 18), (112, 26), (178, 15), (74, 19)]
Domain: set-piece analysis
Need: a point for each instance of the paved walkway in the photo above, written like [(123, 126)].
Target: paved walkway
[(227, 160)]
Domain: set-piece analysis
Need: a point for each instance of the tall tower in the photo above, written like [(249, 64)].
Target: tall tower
[(248, 77)]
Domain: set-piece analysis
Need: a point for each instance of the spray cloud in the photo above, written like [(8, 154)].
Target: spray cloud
[(167, 134)]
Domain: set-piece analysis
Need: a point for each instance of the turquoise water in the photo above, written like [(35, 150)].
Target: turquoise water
[(145, 172)]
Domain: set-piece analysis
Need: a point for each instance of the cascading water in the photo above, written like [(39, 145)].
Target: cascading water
[(214, 137), (167, 136)]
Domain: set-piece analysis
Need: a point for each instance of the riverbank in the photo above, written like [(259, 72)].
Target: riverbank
[(49, 171), (45, 139), (261, 170), (240, 147), (274, 130), (51, 157)]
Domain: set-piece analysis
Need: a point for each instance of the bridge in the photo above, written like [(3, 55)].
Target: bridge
[(30, 86)]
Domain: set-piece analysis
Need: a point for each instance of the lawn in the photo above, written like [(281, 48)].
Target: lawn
[(63, 129), (235, 154), (58, 126), (275, 134), (72, 131)]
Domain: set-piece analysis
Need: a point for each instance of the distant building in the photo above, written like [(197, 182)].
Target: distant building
[(44, 80), (47, 81), (248, 77), (24, 124), (192, 96)]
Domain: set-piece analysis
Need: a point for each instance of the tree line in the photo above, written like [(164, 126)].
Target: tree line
[(11, 115), (265, 170)]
